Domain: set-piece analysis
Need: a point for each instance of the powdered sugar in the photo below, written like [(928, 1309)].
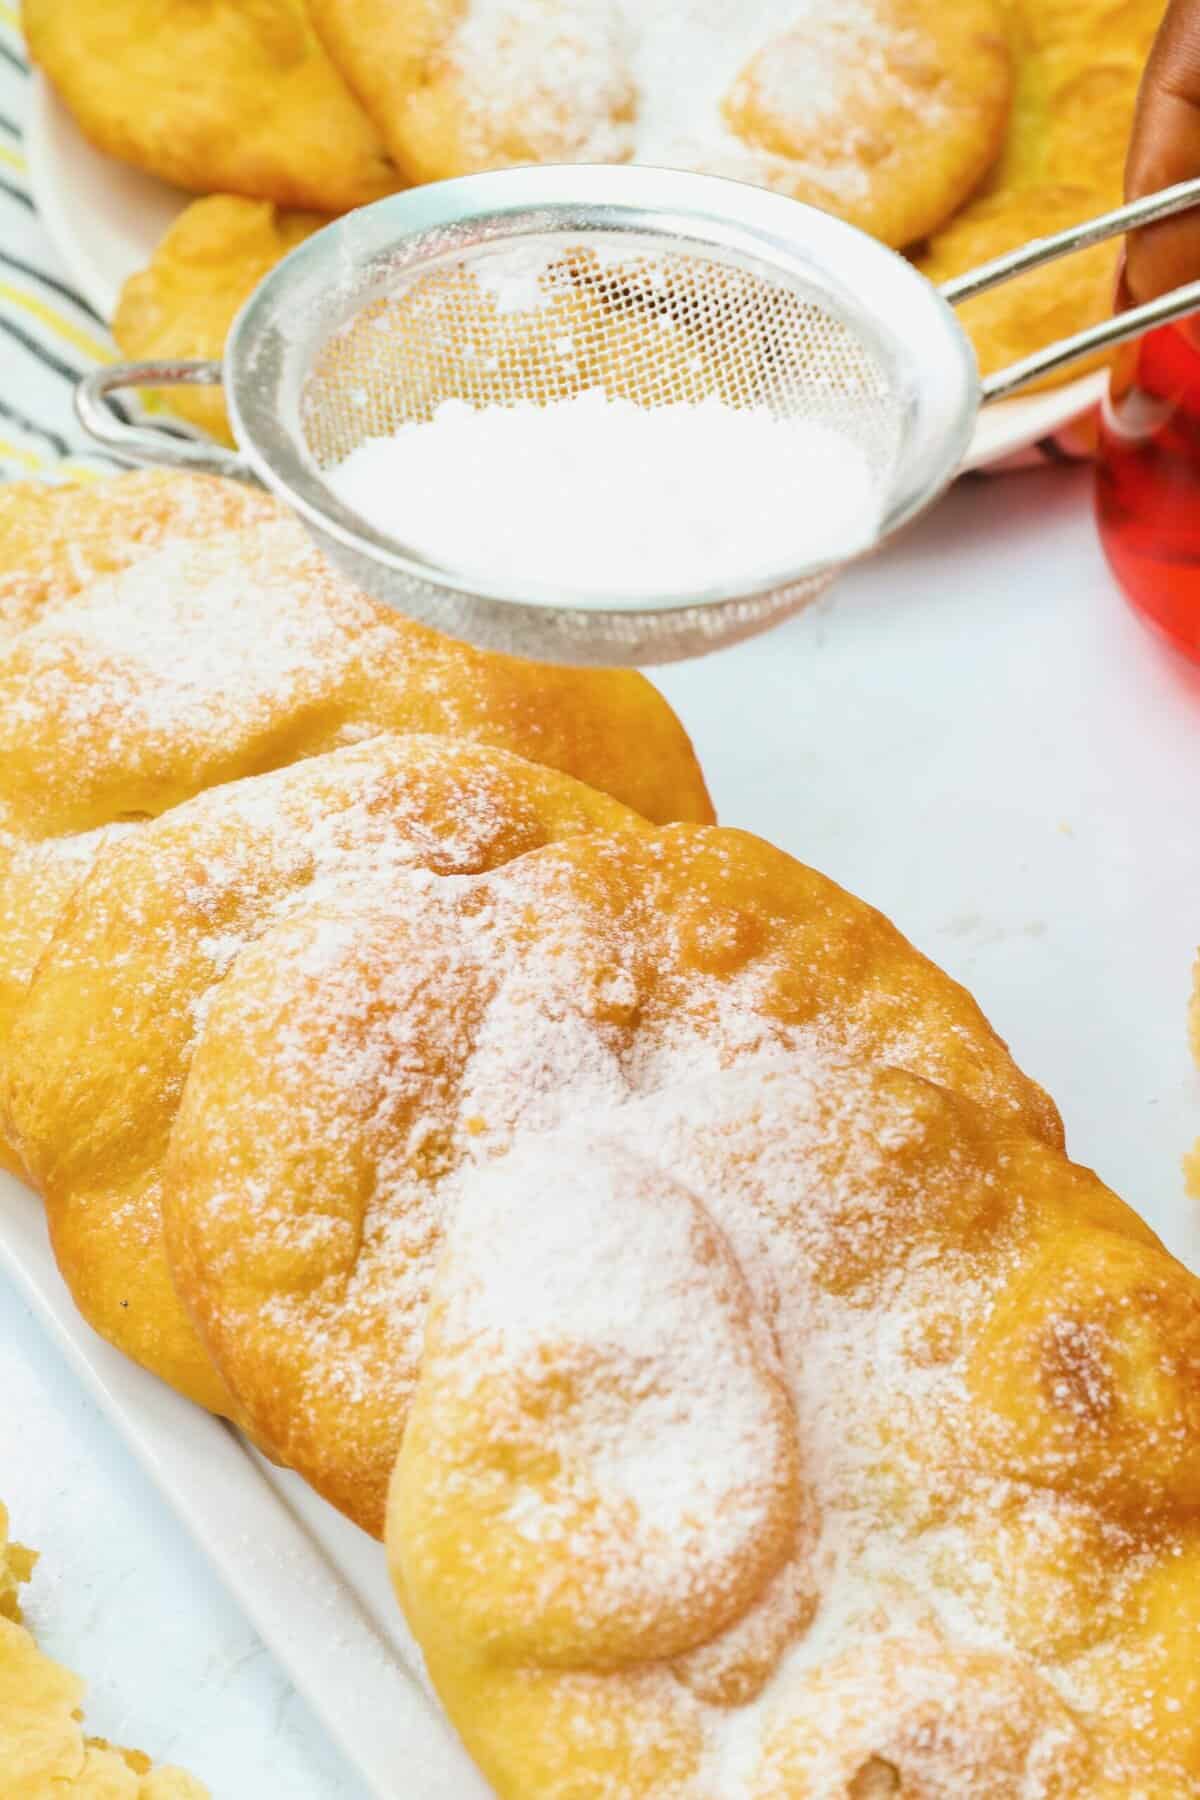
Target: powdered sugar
[(738, 1212), (55, 541), (186, 640), (419, 1034), (678, 1460), (599, 495), (895, 1612), (612, 81), (572, 61)]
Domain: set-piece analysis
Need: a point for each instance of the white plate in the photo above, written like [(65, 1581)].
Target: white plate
[(103, 218), (105, 221), (310, 1581)]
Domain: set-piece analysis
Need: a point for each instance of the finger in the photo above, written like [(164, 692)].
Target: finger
[(1165, 148)]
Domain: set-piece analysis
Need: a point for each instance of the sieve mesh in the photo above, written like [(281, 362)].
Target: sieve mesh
[(528, 287), (540, 320)]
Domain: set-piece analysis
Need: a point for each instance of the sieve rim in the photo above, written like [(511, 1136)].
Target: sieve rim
[(799, 245)]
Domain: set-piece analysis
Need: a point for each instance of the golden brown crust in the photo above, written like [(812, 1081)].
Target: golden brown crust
[(392, 86), (329, 665), (920, 126), (55, 542), (1060, 157), (1090, 1367), (237, 97)]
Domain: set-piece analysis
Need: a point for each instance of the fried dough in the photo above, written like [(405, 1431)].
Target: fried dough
[(441, 1023), (806, 1433), (888, 112), (181, 632), (110, 1022), (233, 96)]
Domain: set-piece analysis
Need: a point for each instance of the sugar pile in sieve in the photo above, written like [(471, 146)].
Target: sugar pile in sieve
[(588, 443), (597, 494)]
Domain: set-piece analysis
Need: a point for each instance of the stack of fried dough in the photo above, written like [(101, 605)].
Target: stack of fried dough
[(612, 1213), (952, 129)]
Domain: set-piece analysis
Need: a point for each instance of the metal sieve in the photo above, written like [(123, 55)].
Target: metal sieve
[(663, 286)]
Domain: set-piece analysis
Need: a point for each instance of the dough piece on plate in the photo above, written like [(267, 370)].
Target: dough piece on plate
[(182, 304), (234, 96), (43, 1751), (56, 542), (805, 1432), (887, 112), (359, 1058), (211, 659), (1079, 70), (102, 1044), (183, 632)]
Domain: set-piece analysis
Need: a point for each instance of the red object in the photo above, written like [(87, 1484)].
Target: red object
[(1148, 483)]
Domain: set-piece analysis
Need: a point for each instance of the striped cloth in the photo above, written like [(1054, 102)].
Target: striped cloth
[(50, 336)]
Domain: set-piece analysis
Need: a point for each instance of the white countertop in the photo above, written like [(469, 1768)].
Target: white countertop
[(976, 735), (122, 1596)]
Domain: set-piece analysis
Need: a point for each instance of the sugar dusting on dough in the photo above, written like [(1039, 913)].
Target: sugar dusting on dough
[(543, 1017), (663, 1351), (621, 80), (537, 1276), (872, 1287), (55, 541), (552, 990), (190, 638)]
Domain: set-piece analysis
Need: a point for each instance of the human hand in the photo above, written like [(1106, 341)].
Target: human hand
[(1165, 148)]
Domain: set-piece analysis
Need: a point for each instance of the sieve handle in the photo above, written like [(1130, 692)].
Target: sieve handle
[(1117, 330), (140, 443)]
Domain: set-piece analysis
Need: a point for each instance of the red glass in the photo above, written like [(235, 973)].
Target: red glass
[(1148, 482)]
